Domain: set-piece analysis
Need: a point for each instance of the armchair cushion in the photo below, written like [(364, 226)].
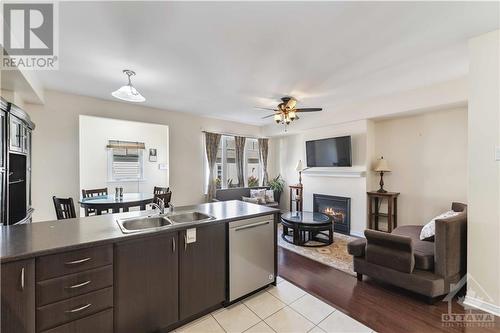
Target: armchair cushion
[(389, 250), (423, 250)]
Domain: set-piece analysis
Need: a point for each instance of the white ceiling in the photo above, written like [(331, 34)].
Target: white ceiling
[(221, 59)]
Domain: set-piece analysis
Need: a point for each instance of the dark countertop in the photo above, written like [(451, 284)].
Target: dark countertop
[(40, 238)]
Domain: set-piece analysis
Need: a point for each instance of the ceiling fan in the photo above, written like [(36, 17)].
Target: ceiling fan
[(286, 111)]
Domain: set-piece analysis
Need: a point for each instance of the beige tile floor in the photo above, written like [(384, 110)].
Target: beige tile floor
[(284, 308)]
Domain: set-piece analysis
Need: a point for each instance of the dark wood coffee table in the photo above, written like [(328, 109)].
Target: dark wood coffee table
[(306, 227)]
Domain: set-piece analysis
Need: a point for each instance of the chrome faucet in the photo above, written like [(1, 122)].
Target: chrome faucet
[(170, 207), (160, 207)]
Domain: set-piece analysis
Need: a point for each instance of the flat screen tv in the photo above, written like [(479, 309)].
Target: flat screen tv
[(332, 152)]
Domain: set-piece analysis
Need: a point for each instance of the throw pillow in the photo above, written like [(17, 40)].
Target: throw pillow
[(429, 230), (260, 193), (269, 196), (250, 200)]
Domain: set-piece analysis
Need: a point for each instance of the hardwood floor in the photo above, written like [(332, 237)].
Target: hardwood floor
[(382, 307)]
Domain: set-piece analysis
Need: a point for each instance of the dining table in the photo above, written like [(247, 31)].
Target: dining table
[(104, 203)]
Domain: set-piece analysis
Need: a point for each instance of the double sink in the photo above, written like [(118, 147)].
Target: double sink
[(156, 222)]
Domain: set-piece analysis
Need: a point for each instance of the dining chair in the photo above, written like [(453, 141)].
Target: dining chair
[(160, 190), (65, 208), (93, 193), (166, 197)]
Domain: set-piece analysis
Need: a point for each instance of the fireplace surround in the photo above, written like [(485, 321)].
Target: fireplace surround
[(339, 208)]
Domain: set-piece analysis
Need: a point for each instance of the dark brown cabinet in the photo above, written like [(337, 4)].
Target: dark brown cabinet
[(146, 284), (15, 164), (3, 165), (18, 296), (202, 271)]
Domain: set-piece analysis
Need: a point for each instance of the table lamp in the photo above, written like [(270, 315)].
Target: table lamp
[(382, 167), (299, 169)]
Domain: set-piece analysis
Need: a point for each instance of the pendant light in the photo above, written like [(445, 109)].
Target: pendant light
[(128, 92)]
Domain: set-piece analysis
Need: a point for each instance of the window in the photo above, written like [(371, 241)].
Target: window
[(253, 167), (226, 171), (125, 161)]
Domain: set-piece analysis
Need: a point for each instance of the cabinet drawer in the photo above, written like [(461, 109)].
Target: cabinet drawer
[(59, 313), (72, 285), (59, 264), (101, 322)]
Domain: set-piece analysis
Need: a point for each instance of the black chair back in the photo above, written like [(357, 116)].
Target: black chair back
[(65, 208), (93, 193), (160, 190), (166, 197)]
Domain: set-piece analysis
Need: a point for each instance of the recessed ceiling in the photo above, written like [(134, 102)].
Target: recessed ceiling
[(221, 59)]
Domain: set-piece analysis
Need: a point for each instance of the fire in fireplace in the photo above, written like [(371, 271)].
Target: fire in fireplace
[(339, 208)]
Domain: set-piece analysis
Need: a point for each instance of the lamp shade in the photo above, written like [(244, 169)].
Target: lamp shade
[(299, 166), (382, 166), (128, 93)]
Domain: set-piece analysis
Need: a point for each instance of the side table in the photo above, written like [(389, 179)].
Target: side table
[(374, 214), (296, 192)]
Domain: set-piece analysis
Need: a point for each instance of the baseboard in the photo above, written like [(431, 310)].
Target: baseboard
[(358, 234), (482, 305)]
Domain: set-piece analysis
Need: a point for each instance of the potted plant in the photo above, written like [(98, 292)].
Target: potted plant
[(277, 184), (253, 181)]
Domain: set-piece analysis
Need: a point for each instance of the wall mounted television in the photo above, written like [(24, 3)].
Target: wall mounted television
[(332, 152)]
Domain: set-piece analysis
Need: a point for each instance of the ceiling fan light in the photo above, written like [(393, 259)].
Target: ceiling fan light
[(290, 104), (277, 118), (292, 115)]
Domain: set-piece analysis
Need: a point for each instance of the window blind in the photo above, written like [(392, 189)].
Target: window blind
[(126, 160)]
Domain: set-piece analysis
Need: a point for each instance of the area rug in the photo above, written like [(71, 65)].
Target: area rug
[(334, 255)]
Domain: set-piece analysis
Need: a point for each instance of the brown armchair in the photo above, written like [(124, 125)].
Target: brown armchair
[(402, 259)]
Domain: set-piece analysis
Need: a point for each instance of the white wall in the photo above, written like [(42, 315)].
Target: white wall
[(95, 133), (483, 232), (428, 157), (56, 146)]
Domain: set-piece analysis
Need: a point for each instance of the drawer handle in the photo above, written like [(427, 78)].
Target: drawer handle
[(185, 242), (79, 285), (249, 226), (76, 262), (81, 308), (22, 279)]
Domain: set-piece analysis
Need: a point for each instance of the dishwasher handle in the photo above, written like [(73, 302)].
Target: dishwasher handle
[(253, 225)]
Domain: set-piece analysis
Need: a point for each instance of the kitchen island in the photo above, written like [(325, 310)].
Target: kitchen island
[(85, 274)]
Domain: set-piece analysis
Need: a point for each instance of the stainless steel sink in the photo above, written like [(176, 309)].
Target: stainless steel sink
[(185, 217), (143, 223), (156, 222)]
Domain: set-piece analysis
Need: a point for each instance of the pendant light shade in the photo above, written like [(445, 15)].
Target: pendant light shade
[(128, 92)]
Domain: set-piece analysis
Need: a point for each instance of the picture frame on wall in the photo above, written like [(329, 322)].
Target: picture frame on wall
[(153, 157)]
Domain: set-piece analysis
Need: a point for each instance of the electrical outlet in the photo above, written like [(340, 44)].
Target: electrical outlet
[(497, 153), (191, 235)]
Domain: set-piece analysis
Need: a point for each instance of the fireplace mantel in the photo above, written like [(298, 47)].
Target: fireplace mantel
[(352, 172)]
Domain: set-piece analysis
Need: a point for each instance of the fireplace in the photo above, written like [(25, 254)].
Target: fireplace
[(339, 208)]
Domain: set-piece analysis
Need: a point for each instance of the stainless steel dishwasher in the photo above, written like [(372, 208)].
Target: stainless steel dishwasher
[(251, 255)]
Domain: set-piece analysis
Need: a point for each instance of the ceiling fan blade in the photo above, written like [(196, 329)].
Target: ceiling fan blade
[(269, 116), (308, 109), (258, 107)]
